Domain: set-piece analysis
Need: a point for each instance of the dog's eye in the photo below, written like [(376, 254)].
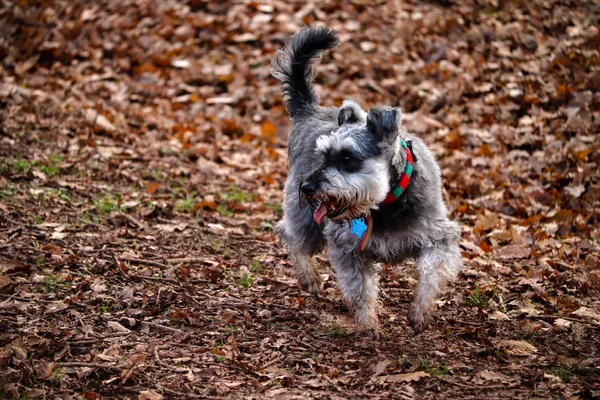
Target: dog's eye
[(348, 162), (346, 156)]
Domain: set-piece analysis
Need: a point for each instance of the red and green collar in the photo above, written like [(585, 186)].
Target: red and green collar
[(362, 227), (400, 187)]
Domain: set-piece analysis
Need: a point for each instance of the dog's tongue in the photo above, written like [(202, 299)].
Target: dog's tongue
[(320, 213)]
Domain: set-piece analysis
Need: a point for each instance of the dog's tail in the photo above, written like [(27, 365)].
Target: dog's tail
[(293, 66)]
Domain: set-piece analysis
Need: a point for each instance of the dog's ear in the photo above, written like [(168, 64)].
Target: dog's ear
[(384, 122), (351, 113)]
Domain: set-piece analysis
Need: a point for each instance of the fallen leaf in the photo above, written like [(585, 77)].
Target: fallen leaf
[(100, 120), (15, 268), (46, 370), (587, 313), (5, 284), (380, 366), (152, 188), (229, 316), (517, 347), (367, 46), (269, 131), (59, 235), (562, 325), (149, 395), (117, 326), (171, 228), (492, 376), (500, 316), (19, 348), (514, 251), (184, 64), (575, 191), (409, 377), (26, 65)]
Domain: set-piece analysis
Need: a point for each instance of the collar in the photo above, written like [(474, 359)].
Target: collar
[(400, 187), (362, 227)]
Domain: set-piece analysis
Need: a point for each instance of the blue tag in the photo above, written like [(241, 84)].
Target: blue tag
[(358, 227)]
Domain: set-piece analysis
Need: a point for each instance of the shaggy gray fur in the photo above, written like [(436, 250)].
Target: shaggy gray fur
[(343, 161)]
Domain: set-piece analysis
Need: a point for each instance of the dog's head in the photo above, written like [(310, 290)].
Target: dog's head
[(354, 163)]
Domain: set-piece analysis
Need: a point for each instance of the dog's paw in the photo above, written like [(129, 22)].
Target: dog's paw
[(367, 321), (370, 334), (418, 321), (310, 284)]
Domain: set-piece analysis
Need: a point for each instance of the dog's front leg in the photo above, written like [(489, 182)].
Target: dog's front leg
[(357, 278)]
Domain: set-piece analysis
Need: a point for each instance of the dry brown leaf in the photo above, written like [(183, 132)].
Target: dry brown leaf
[(562, 325), (5, 284), (152, 188), (575, 191), (229, 316), (517, 347), (46, 370), (117, 326), (380, 366), (149, 395), (588, 313), (26, 65), (269, 131), (492, 376), (408, 377), (19, 348), (100, 120), (514, 251), (14, 268)]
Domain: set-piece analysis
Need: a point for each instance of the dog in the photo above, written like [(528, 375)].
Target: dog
[(361, 186)]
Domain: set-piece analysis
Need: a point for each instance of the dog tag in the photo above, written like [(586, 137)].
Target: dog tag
[(362, 227)]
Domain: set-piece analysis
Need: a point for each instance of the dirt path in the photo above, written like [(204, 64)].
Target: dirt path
[(142, 159)]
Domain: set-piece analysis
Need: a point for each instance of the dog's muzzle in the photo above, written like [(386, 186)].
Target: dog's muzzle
[(309, 189)]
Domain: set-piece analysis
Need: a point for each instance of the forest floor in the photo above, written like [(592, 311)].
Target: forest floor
[(142, 161)]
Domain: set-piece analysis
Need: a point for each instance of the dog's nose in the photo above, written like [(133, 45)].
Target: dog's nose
[(309, 189)]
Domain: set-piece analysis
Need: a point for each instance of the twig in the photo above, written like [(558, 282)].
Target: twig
[(140, 277), (85, 342), (332, 383), (157, 279), (466, 323), (13, 235), (118, 263), (269, 363), (143, 262), (26, 299), (476, 387), (248, 343), (162, 327), (189, 260), (555, 317), (90, 365), (178, 394), (158, 360)]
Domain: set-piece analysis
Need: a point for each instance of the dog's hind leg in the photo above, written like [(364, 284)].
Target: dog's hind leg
[(436, 266)]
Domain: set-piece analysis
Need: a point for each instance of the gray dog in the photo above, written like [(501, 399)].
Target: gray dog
[(361, 186)]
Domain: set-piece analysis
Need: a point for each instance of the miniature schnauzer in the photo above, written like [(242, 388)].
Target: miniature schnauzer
[(361, 186)]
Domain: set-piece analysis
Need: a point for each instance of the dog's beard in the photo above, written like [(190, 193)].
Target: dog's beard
[(346, 196)]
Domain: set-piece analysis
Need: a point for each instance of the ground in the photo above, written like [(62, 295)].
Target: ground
[(142, 160)]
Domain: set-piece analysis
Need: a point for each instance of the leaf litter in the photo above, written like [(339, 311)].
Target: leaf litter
[(142, 160)]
